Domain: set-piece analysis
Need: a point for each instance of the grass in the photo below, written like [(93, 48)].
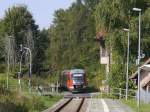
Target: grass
[(108, 96), (12, 81), (49, 101), (16, 102), (133, 104), (130, 102), (23, 101), (40, 103)]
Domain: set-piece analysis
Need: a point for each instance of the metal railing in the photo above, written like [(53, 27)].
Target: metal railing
[(37, 90), (118, 93)]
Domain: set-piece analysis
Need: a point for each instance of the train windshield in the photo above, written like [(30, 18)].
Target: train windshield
[(78, 77)]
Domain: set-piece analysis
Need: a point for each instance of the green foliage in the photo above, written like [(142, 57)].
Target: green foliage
[(2, 68), (133, 104), (19, 23), (96, 77), (19, 102), (40, 60), (111, 18), (11, 101), (114, 14), (146, 32), (72, 41), (2, 54), (69, 42), (117, 75)]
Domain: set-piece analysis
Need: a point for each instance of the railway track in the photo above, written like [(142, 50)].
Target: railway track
[(71, 105), (80, 95)]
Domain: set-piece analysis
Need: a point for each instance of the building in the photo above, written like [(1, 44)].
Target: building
[(144, 81)]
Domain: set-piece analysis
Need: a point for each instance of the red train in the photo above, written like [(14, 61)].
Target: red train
[(74, 80)]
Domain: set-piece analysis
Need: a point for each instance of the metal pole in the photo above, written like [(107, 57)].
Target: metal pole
[(8, 60), (127, 72), (20, 68), (139, 56), (20, 64), (30, 73), (30, 65)]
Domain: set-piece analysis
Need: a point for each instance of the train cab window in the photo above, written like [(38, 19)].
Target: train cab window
[(78, 77)]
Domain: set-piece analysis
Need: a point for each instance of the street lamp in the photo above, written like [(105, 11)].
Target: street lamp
[(8, 59), (139, 56), (30, 65), (26, 49), (127, 72), (137, 9), (20, 65)]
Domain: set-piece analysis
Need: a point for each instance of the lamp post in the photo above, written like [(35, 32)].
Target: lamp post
[(139, 56), (30, 65), (8, 59), (25, 49), (127, 72), (20, 65)]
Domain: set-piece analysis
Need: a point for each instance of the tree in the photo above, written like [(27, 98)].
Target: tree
[(18, 21), (111, 18), (40, 55), (72, 43), (2, 58), (20, 25)]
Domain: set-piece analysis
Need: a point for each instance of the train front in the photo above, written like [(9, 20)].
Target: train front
[(79, 83)]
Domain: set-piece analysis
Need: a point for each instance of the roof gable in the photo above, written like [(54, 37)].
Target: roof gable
[(133, 76)]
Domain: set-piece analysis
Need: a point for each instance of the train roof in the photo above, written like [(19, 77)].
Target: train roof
[(73, 71), (77, 71)]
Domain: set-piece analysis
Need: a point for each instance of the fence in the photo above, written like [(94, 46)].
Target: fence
[(46, 90), (37, 90), (118, 93), (144, 96), (121, 94)]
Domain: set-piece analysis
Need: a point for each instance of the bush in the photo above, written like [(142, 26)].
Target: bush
[(12, 103), (2, 68), (12, 107), (17, 102), (3, 91), (35, 104)]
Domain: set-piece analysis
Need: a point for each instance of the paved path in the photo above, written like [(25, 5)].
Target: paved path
[(106, 105)]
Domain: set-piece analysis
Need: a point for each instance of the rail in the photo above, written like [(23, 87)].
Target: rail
[(81, 104), (69, 105), (62, 106)]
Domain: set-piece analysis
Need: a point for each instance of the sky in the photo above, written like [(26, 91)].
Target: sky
[(42, 10)]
